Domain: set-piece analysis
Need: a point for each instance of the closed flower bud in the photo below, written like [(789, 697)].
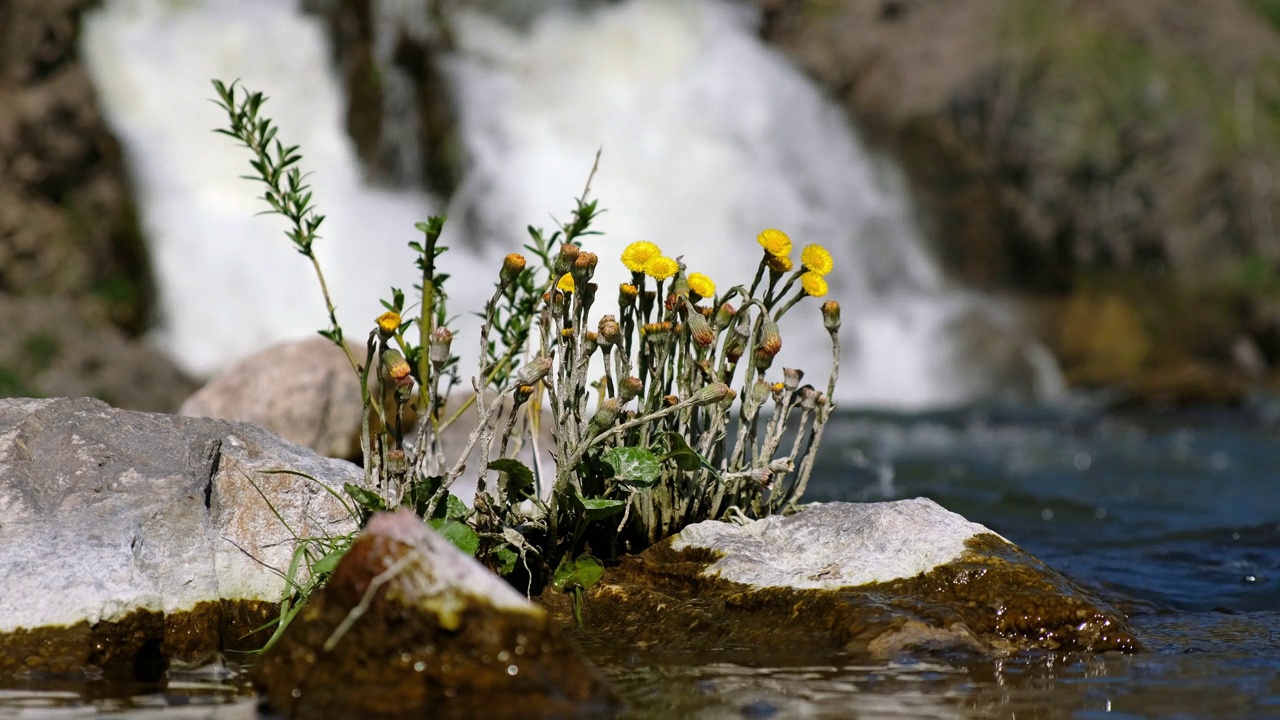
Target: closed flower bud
[(760, 390), (646, 301), (724, 316), (764, 360), (628, 388), (610, 331), (512, 266), (533, 371), (584, 266), (670, 401), (727, 402), (734, 346), (604, 417), (395, 364), (438, 347), (761, 476), (782, 465), (809, 397), (770, 339), (565, 258), (700, 330), (627, 295), (709, 394), (566, 334), (831, 316)]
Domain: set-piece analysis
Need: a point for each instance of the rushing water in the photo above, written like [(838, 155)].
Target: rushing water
[(1175, 519), (708, 134)]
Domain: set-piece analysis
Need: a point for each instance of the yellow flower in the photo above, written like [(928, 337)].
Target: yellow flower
[(638, 253), (816, 259), (388, 322), (775, 242), (813, 284), (779, 263), (565, 284), (702, 285), (661, 268)]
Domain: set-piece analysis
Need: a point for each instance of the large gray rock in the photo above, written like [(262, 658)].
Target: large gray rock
[(304, 390), (125, 532), (877, 578)]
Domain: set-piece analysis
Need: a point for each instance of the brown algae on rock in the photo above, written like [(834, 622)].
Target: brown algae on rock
[(408, 625)]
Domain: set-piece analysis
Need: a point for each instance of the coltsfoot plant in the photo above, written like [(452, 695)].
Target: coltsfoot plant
[(664, 412)]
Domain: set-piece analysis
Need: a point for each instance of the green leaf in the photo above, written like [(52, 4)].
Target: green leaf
[(458, 533), (506, 560), (370, 501), (329, 562), (685, 457), (516, 479), (599, 508), (419, 493), (637, 466), (579, 574), (451, 509)]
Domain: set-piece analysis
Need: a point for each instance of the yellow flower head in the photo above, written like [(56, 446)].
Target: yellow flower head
[(702, 285), (388, 322), (661, 268), (775, 242), (565, 284), (816, 259), (813, 284), (779, 263), (638, 253)]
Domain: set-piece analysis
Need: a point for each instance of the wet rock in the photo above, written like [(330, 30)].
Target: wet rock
[(303, 390), (876, 578), (408, 626), (133, 540)]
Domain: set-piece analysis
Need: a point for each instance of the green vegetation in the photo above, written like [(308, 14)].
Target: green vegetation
[(648, 434)]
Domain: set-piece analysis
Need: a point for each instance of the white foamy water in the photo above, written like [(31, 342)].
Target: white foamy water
[(708, 137)]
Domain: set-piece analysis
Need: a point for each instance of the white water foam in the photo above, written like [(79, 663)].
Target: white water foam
[(708, 137)]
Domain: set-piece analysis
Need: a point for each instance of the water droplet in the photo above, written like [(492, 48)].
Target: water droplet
[(512, 670), (1100, 513), (419, 666), (504, 656), (1082, 461), (1249, 578), (296, 693), (1046, 514)]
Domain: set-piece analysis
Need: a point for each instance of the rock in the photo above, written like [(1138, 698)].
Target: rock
[(132, 540), (49, 349), (409, 626), (303, 390), (877, 579)]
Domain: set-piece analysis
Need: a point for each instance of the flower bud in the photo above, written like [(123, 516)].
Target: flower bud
[(627, 295), (831, 316), (565, 259), (438, 347), (604, 417), (512, 266), (770, 340), (628, 388), (724, 316), (779, 264), (646, 301), (760, 390), (709, 394), (763, 360), (782, 465), (394, 363), (610, 331), (808, 397), (584, 266), (533, 371), (670, 401), (523, 393), (700, 330)]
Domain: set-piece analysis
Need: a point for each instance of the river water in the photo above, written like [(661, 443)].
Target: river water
[(1174, 518)]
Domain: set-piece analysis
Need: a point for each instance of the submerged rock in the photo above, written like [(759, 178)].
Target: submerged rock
[(877, 578), (409, 626), (131, 540)]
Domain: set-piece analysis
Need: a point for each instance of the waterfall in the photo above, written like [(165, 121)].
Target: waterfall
[(708, 136)]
